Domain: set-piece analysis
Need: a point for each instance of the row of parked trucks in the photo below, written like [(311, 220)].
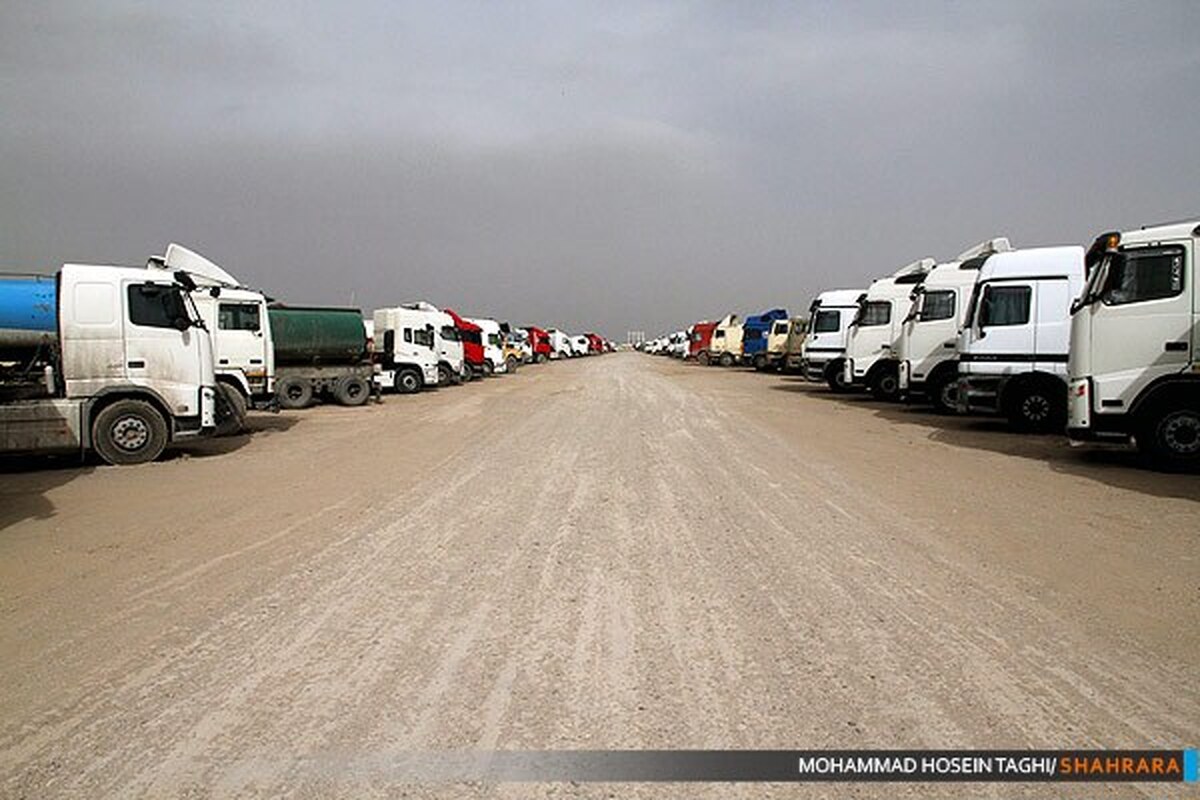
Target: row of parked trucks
[(1100, 343), (122, 361)]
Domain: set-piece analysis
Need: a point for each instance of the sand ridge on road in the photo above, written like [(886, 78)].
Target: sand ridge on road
[(614, 552)]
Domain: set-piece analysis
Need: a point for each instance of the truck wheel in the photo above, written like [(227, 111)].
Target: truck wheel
[(886, 385), (351, 390), (445, 376), (702, 358), (129, 432), (1169, 436), (760, 362), (512, 363), (1037, 406), (408, 381), (835, 378), (538, 358), (294, 393), (942, 391), (231, 410), (726, 360), (488, 369)]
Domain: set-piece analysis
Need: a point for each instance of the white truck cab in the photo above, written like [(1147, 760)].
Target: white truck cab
[(236, 318), (560, 344), (927, 348), (870, 360), (726, 345), (823, 354), (126, 369), (1135, 331), (452, 367), (1012, 351), (579, 345), (493, 345), (406, 349)]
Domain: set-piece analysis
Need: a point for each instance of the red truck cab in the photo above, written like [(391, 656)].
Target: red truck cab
[(472, 341), (595, 343), (700, 340), (539, 340)]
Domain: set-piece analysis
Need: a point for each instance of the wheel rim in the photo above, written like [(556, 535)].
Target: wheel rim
[(887, 385), (1036, 408), (130, 433), (409, 382), (354, 390), (948, 395), (1181, 433)]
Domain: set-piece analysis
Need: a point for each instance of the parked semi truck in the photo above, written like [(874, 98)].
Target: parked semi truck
[(320, 353), (927, 347), (472, 341), (447, 342), (539, 341), (726, 345), (1012, 351), (700, 341), (1135, 331), (493, 345), (406, 351), (823, 353), (755, 332), (560, 344), (104, 359), (870, 358), (243, 348), (793, 347)]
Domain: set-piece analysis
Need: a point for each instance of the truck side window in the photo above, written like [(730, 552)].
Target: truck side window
[(718, 334), (1135, 276), (937, 305), (875, 312), (1005, 305), (827, 322), (237, 317), (408, 335), (781, 328), (155, 306)]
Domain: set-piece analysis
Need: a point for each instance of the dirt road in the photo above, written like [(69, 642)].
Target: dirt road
[(616, 552)]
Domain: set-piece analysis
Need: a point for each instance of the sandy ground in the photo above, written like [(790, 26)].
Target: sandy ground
[(616, 552)]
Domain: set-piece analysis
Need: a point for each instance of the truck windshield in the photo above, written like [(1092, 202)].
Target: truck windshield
[(937, 305), (827, 321), (1134, 276), (423, 337), (494, 339), (874, 312), (472, 337)]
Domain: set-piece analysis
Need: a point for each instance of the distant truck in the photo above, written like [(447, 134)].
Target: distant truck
[(755, 332), (104, 359), (472, 342), (777, 337), (700, 341), (726, 346), (1012, 350), (320, 353), (579, 344), (793, 347), (560, 344), (406, 350), (595, 343), (1135, 331), (823, 353), (539, 342), (870, 360), (494, 362), (448, 344), (927, 348)]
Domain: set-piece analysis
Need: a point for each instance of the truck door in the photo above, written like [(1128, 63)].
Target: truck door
[(240, 344), (158, 354), (1006, 324), (1141, 323), (1052, 333)]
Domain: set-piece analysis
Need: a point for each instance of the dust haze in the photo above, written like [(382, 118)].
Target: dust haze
[(606, 166)]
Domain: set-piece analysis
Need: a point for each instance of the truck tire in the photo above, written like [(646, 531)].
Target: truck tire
[(351, 390), (702, 358), (886, 384), (129, 432), (408, 381), (1168, 435), (512, 363), (445, 376), (760, 362), (538, 358), (231, 410), (941, 390), (488, 369), (726, 360), (835, 378), (1036, 406), (294, 392)]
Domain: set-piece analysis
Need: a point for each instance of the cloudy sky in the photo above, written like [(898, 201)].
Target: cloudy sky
[(607, 166)]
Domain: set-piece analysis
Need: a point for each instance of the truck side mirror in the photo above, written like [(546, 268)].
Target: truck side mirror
[(181, 323)]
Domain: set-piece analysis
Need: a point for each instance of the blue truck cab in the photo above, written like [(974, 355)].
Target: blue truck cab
[(754, 341)]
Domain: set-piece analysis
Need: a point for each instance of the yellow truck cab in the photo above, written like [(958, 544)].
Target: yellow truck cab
[(726, 348)]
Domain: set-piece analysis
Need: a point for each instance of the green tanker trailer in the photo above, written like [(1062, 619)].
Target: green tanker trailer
[(320, 352)]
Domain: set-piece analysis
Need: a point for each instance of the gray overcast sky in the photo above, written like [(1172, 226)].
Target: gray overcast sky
[(606, 166)]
